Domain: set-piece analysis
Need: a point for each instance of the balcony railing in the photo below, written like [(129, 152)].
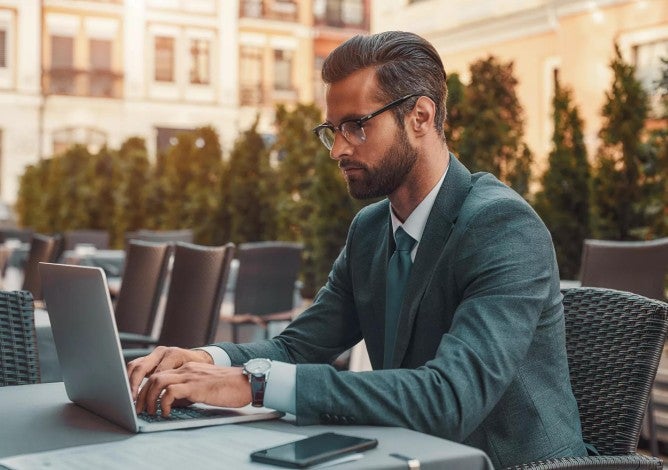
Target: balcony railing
[(270, 10), (98, 83)]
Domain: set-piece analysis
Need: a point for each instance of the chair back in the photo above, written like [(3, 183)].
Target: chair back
[(42, 248), (161, 236), (22, 234), (141, 286), (197, 284), (19, 361), (614, 342), (98, 238), (638, 267), (266, 277)]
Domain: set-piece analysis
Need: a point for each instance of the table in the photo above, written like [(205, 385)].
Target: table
[(111, 261), (40, 418)]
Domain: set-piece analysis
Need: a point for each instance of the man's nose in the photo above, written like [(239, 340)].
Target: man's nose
[(340, 147)]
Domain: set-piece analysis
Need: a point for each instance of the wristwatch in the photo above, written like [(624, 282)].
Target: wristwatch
[(257, 371)]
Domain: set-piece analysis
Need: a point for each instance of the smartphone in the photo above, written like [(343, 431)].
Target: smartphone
[(313, 450)]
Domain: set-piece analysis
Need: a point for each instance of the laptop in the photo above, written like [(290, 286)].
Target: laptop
[(89, 350)]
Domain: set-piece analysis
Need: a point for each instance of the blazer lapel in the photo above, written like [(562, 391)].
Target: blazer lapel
[(375, 342), (443, 215)]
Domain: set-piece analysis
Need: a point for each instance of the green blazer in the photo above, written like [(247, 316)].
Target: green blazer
[(480, 354)]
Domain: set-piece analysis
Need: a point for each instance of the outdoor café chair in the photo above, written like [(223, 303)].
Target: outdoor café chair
[(194, 297), (142, 286), (634, 266), (19, 360), (264, 289), (614, 341), (43, 248)]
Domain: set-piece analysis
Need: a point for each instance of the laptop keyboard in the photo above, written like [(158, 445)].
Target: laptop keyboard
[(178, 414)]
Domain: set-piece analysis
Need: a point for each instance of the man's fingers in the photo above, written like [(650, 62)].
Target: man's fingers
[(175, 395), (142, 367)]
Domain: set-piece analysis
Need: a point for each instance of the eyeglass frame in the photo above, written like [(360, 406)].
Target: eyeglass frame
[(359, 121)]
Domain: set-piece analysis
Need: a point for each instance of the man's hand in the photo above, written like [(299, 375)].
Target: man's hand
[(194, 382), (161, 359)]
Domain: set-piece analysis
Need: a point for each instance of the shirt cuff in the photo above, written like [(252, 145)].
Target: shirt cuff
[(220, 357), (280, 393)]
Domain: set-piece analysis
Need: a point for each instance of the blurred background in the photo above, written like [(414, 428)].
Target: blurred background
[(165, 114)]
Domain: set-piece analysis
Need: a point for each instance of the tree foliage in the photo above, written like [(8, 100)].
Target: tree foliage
[(248, 190), (492, 122), (563, 201), (620, 170)]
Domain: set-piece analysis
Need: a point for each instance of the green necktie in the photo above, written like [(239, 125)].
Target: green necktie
[(398, 271)]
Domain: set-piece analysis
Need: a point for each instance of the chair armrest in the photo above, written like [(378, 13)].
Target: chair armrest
[(128, 339), (612, 462)]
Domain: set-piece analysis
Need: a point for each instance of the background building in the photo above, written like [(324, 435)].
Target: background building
[(573, 39), (97, 72)]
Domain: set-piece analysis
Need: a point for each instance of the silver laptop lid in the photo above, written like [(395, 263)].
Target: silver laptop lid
[(84, 331), (89, 350)]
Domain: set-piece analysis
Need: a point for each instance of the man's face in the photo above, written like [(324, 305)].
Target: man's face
[(378, 166)]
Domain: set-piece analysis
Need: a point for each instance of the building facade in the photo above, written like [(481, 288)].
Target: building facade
[(96, 72), (571, 39)]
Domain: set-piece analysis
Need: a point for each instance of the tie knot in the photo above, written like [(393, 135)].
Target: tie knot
[(403, 240)]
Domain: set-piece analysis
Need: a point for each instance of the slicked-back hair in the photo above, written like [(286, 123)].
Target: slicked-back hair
[(405, 63)]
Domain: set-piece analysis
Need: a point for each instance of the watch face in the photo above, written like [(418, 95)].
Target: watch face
[(257, 366)]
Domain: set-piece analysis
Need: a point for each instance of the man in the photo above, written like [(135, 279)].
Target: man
[(474, 353)]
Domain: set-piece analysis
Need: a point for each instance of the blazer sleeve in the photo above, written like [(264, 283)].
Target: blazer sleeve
[(503, 264)]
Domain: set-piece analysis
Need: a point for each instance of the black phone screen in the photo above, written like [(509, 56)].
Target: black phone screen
[(313, 450)]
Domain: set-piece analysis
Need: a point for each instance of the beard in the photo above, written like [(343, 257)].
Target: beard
[(388, 174)]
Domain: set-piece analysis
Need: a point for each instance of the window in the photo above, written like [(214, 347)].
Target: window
[(340, 12), (3, 48), (199, 61), (352, 12), (250, 76), (63, 138), (649, 68), (282, 70), (164, 59), (62, 73), (101, 77)]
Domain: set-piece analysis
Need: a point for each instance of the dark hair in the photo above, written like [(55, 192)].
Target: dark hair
[(405, 63)]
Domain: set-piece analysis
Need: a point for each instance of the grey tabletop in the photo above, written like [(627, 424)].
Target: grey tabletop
[(40, 418)]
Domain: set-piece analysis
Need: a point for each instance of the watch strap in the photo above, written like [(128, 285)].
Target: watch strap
[(258, 385)]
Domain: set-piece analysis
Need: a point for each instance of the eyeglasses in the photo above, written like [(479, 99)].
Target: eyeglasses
[(353, 129)]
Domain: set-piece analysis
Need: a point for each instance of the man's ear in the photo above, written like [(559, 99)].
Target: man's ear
[(421, 117)]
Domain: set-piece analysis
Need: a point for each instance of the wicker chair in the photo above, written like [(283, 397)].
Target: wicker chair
[(265, 285), (19, 362), (194, 298), (614, 341)]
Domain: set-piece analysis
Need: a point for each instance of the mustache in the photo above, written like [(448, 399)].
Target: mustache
[(345, 164)]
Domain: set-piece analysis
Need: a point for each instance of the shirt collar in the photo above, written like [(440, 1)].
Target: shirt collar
[(417, 220)]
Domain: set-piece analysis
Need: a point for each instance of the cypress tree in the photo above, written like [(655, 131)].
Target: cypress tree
[(493, 125), (246, 190), (617, 194), (563, 201)]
